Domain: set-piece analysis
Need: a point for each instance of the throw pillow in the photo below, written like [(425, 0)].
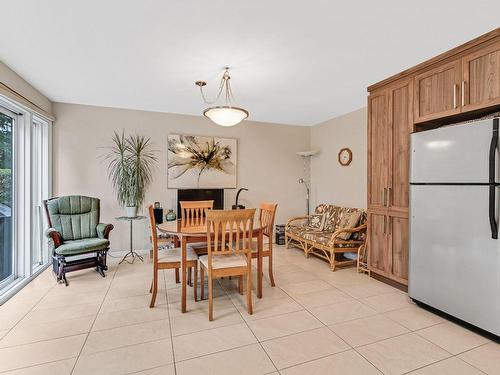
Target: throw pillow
[(316, 222), (348, 220)]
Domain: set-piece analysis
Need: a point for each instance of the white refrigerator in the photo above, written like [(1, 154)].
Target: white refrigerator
[(454, 208)]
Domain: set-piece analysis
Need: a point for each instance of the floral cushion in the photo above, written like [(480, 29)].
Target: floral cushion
[(332, 215), (316, 222), (348, 220)]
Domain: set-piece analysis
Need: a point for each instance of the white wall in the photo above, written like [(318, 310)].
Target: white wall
[(267, 162), (331, 182)]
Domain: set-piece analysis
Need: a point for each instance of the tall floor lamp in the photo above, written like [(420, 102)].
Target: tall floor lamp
[(301, 181), (306, 157)]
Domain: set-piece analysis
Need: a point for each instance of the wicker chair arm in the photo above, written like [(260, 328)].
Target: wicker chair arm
[(335, 234), (55, 236), (293, 219)]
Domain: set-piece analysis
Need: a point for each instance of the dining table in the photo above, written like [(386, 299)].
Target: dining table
[(194, 232)]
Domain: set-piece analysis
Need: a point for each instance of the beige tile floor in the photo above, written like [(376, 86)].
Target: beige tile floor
[(313, 322)]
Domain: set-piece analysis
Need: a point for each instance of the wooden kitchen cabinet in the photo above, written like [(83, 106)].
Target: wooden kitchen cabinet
[(461, 84), (397, 246), (378, 149), (390, 122), (437, 92), (378, 255), (481, 78), (400, 125)]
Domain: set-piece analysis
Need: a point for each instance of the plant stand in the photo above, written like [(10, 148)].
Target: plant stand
[(131, 253)]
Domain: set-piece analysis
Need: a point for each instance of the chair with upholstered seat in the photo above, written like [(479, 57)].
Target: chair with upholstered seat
[(229, 251), (75, 231), (193, 213), (266, 216), (169, 259)]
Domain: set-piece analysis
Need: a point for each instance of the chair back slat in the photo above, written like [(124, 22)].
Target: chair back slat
[(229, 232), (193, 213), (154, 234), (267, 216)]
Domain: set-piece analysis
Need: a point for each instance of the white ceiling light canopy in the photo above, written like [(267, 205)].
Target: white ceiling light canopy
[(224, 115)]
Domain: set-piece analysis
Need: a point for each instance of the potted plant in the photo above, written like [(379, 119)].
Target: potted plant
[(130, 167)]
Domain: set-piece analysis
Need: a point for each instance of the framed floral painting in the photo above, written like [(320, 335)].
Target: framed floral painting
[(201, 162)]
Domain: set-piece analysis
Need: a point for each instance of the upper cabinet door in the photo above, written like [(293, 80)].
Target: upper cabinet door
[(437, 92), (378, 149), (401, 125), (481, 78)]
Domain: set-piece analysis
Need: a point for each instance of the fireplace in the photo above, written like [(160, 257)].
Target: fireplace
[(217, 195)]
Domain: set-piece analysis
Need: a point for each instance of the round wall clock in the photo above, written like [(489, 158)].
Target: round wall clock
[(345, 157)]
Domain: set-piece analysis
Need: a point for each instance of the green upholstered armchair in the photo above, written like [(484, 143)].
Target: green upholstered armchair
[(75, 230)]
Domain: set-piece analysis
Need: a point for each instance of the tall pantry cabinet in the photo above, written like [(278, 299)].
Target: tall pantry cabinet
[(390, 122), (461, 84)]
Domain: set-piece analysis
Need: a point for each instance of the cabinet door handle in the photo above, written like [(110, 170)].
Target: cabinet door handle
[(385, 217), (463, 93), (455, 86), (383, 197), (389, 225), (389, 196)]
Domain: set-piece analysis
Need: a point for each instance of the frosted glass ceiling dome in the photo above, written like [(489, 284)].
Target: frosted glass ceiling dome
[(224, 115)]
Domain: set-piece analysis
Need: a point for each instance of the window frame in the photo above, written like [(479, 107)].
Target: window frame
[(23, 194)]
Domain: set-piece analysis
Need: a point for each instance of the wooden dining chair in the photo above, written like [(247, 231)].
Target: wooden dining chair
[(229, 240), (169, 259), (194, 213), (266, 216)]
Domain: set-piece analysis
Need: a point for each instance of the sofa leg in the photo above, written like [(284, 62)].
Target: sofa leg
[(333, 263)]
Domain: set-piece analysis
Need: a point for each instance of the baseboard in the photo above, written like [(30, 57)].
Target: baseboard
[(390, 282)]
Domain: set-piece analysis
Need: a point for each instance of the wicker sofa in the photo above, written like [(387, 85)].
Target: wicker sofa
[(333, 239)]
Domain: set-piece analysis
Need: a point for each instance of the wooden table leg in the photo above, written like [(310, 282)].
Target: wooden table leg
[(183, 273), (260, 250)]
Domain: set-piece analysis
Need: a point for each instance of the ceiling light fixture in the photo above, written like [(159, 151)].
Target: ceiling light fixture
[(224, 115)]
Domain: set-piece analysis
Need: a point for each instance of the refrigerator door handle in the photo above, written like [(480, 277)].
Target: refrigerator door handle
[(492, 182)]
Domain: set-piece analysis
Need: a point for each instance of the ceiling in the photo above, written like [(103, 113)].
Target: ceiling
[(293, 62)]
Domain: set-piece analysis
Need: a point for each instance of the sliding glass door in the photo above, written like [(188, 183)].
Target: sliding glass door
[(7, 254), (25, 179)]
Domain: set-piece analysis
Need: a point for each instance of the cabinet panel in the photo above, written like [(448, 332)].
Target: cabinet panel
[(378, 147), (481, 78), (378, 258), (401, 125), (398, 239), (437, 92)]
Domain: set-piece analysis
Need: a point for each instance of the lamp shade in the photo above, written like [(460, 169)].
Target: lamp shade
[(226, 115)]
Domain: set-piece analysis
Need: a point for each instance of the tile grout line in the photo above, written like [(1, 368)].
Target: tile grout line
[(30, 310), (410, 330), (350, 346), (170, 324), (35, 365), (90, 330), (250, 329), (441, 360)]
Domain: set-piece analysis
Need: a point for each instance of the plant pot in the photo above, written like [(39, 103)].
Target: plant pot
[(131, 211)]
